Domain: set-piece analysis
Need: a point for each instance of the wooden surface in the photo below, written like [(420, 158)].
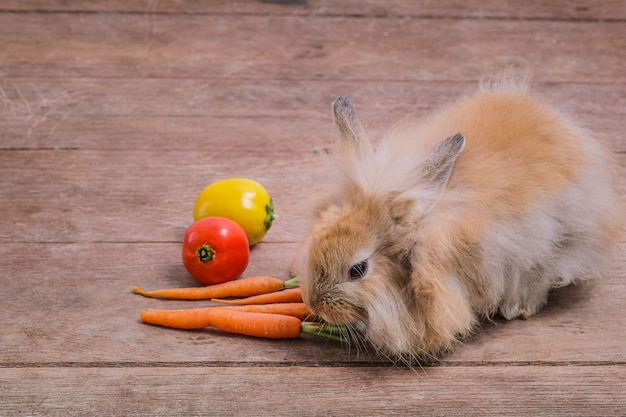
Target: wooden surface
[(115, 114)]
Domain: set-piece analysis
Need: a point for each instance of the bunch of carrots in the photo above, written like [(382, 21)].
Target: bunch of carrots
[(261, 306)]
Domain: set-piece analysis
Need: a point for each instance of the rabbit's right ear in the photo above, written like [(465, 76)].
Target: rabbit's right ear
[(353, 153), (347, 122)]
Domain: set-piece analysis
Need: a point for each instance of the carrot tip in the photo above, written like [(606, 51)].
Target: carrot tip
[(139, 291)]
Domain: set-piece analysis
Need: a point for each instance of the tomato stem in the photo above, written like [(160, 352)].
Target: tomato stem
[(205, 253), (269, 209)]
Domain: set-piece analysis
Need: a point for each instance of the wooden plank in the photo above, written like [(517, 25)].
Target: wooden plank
[(144, 196), (228, 47), (489, 9), (72, 304), (275, 116), (484, 9), (115, 114), (288, 391), (138, 196)]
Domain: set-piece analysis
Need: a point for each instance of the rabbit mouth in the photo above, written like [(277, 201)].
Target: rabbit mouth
[(341, 313)]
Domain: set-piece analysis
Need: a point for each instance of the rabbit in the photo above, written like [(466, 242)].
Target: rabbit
[(480, 209)]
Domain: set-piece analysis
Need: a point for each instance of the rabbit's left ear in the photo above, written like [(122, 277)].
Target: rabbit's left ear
[(434, 171)]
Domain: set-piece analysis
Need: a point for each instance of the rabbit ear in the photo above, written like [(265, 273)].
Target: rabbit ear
[(347, 122), (353, 154), (434, 171)]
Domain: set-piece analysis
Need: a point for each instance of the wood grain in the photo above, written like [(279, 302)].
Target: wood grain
[(470, 9), (73, 303), (276, 116), (115, 114), (143, 196), (312, 391), (220, 47)]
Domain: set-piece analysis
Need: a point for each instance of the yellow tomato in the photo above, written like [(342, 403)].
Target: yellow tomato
[(242, 200)]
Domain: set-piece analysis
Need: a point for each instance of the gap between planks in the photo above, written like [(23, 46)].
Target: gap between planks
[(563, 10), (304, 364)]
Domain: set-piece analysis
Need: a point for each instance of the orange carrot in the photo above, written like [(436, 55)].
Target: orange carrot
[(266, 325), (243, 287), (298, 310), (199, 318), (292, 295)]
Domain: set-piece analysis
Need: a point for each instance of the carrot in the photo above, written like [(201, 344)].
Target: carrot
[(265, 325), (243, 287), (198, 318), (298, 310), (292, 295)]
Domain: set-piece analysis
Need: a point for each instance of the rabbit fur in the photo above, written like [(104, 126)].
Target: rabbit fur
[(419, 237)]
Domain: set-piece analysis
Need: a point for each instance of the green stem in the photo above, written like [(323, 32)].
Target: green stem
[(324, 330), (205, 253), (292, 283), (269, 218)]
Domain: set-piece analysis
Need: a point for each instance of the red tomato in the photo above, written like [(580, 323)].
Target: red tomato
[(215, 250)]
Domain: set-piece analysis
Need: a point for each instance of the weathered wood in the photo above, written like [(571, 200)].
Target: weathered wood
[(472, 9), (73, 303), (289, 391), (276, 116), (143, 196), (137, 196), (115, 114), (221, 47)]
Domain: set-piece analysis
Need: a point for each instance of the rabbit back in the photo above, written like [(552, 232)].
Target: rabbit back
[(532, 194)]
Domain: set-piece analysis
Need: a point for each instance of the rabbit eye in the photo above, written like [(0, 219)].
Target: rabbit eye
[(359, 270)]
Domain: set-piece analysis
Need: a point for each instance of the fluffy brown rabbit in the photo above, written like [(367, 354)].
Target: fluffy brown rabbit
[(420, 237)]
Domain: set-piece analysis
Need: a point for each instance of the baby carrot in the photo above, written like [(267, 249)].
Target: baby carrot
[(292, 295), (243, 287), (298, 310), (265, 325), (198, 318)]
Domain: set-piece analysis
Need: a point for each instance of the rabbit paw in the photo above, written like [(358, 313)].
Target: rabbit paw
[(523, 306)]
